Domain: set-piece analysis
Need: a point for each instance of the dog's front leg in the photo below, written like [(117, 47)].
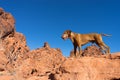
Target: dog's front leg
[(80, 51), (75, 52)]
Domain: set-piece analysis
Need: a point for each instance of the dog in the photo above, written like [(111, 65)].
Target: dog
[(79, 40)]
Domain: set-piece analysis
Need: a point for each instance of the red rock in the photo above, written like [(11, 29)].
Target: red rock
[(41, 62), (6, 78), (38, 78), (89, 51), (5, 75), (89, 68), (17, 62), (12, 44), (3, 61), (6, 24), (115, 55)]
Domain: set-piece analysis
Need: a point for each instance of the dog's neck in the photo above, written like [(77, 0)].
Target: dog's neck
[(72, 35)]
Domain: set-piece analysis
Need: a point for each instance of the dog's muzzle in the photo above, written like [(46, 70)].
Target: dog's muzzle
[(64, 37)]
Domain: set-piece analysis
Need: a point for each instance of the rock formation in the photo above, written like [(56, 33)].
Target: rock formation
[(92, 50), (12, 44), (17, 62)]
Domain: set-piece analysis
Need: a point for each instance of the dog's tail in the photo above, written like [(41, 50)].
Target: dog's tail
[(106, 34)]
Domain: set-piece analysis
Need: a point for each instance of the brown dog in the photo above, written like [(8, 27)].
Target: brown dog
[(79, 40)]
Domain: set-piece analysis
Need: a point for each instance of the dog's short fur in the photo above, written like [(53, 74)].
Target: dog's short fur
[(79, 40)]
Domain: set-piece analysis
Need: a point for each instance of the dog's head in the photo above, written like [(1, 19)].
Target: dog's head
[(66, 34)]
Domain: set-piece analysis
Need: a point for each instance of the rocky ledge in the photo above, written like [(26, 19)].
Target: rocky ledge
[(18, 62)]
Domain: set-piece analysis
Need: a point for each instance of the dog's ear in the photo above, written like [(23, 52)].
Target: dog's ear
[(69, 31)]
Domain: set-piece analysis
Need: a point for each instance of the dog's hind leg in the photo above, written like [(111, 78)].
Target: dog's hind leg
[(108, 49), (104, 47)]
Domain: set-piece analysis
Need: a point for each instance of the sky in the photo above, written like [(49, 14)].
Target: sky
[(46, 20)]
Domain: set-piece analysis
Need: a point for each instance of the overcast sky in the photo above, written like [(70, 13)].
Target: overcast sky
[(45, 20)]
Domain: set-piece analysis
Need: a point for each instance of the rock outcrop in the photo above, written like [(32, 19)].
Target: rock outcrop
[(90, 51), (17, 62), (6, 24), (13, 45)]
